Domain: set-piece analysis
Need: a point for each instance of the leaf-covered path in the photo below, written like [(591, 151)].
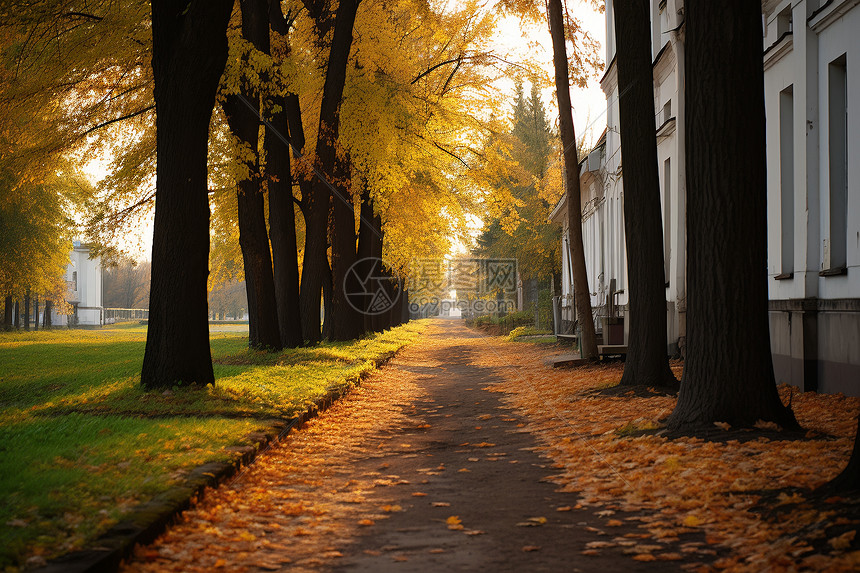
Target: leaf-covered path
[(420, 469), (469, 453)]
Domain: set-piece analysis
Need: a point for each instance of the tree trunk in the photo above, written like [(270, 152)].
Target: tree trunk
[(728, 375), (16, 314), (326, 307), (27, 310), (244, 122), (366, 230), (47, 322), (7, 313), (282, 228), (189, 53), (347, 323), (647, 361), (315, 264), (588, 342), (849, 478), (36, 312), (376, 320)]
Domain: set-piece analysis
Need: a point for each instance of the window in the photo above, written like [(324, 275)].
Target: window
[(667, 111), (75, 281), (835, 247), (667, 221), (786, 180), (783, 22)]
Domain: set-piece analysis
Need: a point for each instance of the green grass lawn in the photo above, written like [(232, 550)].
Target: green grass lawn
[(81, 442)]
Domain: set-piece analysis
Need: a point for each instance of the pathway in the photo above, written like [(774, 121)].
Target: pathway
[(421, 469)]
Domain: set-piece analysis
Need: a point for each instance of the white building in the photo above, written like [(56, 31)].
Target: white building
[(811, 55), (812, 76), (84, 293)]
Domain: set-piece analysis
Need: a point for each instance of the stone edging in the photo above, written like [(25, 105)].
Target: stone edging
[(149, 520)]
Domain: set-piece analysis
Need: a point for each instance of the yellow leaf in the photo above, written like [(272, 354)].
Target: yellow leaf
[(453, 520), (692, 521)]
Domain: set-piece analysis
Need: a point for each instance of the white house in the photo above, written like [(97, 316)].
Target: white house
[(84, 294), (811, 55)]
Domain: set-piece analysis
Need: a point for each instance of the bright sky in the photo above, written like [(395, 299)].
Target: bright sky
[(516, 42), (589, 113)]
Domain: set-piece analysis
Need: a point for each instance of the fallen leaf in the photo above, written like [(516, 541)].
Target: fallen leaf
[(440, 504), (644, 557), (419, 494), (528, 548), (564, 508), (366, 522), (843, 541), (614, 523)]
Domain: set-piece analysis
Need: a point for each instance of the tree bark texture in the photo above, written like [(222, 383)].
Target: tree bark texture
[(647, 361), (189, 53), (588, 342), (244, 123), (315, 264), (282, 228), (728, 375)]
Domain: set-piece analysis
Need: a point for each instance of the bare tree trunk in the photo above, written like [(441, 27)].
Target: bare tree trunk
[(36, 312), (647, 361), (315, 264), (47, 322), (588, 344), (282, 228), (728, 375), (189, 53), (244, 122)]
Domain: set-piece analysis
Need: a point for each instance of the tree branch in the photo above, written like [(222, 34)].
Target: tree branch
[(458, 60), (118, 119)]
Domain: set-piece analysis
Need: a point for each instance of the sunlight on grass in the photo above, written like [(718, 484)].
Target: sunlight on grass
[(82, 442)]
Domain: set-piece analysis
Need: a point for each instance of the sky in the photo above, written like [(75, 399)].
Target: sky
[(589, 113), (515, 42)]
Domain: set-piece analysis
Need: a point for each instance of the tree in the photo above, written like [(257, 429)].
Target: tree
[(243, 116), (647, 362), (582, 298), (316, 204), (189, 53), (728, 375), (126, 285)]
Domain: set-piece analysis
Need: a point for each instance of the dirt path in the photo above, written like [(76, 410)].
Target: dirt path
[(422, 469)]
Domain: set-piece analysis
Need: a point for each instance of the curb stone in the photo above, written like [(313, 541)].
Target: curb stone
[(149, 520)]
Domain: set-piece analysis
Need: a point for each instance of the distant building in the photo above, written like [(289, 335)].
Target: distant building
[(811, 65), (84, 293)]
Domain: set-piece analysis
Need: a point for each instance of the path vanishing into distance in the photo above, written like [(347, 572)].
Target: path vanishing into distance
[(422, 468)]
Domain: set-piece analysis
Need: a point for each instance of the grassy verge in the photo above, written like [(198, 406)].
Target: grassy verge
[(81, 442)]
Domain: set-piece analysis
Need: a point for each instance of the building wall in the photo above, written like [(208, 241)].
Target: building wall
[(84, 279), (814, 291)]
